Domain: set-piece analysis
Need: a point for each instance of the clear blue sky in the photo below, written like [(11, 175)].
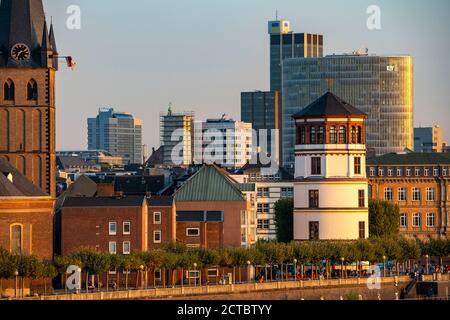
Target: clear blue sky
[(139, 55)]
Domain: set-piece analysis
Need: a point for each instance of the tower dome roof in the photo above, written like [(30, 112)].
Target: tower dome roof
[(329, 105)]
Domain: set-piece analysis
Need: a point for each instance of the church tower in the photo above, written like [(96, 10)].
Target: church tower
[(28, 62), (331, 200)]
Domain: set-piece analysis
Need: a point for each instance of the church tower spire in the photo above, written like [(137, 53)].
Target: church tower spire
[(27, 71)]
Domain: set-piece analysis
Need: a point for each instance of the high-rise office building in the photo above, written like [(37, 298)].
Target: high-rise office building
[(286, 44), (176, 128), (380, 86), (118, 133), (28, 64), (225, 142), (263, 111), (429, 140)]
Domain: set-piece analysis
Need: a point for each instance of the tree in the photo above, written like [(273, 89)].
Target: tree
[(284, 219), (384, 219), (7, 267)]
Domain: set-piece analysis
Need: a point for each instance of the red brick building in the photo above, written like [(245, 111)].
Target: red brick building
[(26, 215), (161, 221), (211, 210), (115, 225)]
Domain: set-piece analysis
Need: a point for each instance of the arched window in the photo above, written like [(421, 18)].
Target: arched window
[(320, 136), (354, 139), (312, 136), (32, 90), (16, 238), (342, 135), (359, 134), (9, 90), (333, 135)]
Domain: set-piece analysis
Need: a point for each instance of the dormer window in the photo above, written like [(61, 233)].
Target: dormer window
[(342, 135), (8, 90), (333, 135), (312, 136), (32, 90)]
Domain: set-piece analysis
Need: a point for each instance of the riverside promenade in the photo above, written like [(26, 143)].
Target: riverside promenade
[(182, 292)]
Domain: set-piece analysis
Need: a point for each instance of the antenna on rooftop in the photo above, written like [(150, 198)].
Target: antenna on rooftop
[(276, 15)]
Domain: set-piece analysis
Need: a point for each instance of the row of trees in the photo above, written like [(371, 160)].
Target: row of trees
[(175, 257)]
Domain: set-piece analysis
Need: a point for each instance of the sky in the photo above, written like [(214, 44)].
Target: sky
[(137, 56)]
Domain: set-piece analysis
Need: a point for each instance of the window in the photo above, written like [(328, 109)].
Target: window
[(342, 135), (372, 172), (32, 90), (359, 135), (112, 247), (112, 228), (193, 232), (263, 207), (362, 198), (408, 172), (403, 220), (287, 192), (380, 172), (314, 230), (388, 195), (362, 229), (357, 165), (399, 172), (263, 224), (426, 172), (417, 172), (436, 172), (127, 228), (431, 219), (157, 236), (321, 136), (444, 172), (431, 194), (312, 135), (263, 192), (16, 239), (333, 135), (313, 199), (416, 220), (126, 247), (415, 194), (401, 194), (157, 218), (8, 90), (316, 166), (354, 138), (302, 135), (213, 272), (390, 172)]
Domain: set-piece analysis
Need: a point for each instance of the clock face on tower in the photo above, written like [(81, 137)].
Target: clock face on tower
[(20, 52)]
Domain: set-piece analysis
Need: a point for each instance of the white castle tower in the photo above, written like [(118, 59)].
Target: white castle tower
[(331, 187)]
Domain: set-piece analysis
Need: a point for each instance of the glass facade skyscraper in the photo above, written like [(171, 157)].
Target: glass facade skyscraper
[(263, 110), (118, 133), (381, 86)]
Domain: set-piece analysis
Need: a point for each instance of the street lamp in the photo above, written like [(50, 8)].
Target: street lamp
[(141, 267), (16, 274), (248, 269), (195, 269), (427, 257), (295, 269), (342, 267), (384, 266)]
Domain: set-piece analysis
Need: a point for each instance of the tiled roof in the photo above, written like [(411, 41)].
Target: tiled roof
[(328, 105), (410, 159), (160, 201), (20, 185), (71, 162), (209, 184), (109, 202)]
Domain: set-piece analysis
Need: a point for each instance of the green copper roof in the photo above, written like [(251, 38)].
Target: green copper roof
[(411, 159), (209, 184)]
